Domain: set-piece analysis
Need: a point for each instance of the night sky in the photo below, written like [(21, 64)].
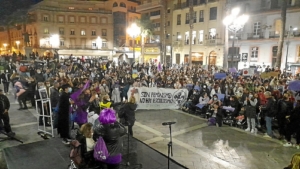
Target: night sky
[(7, 7)]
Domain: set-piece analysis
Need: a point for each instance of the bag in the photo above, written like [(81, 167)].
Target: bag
[(211, 121), (75, 154), (100, 150)]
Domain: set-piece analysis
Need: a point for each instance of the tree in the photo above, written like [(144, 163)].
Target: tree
[(146, 30), (282, 32)]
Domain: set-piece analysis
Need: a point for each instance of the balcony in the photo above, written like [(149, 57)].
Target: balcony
[(253, 36), (150, 5), (154, 17), (273, 34)]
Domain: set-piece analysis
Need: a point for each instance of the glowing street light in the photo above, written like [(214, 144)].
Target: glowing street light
[(234, 23), (54, 41), (18, 43), (99, 42), (134, 31)]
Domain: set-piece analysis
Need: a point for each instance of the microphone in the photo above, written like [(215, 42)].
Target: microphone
[(168, 123)]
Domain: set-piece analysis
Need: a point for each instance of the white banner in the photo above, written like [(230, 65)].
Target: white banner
[(158, 98)]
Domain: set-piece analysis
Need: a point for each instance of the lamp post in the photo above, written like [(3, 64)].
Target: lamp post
[(234, 23), (5, 45), (291, 30), (18, 43), (134, 31)]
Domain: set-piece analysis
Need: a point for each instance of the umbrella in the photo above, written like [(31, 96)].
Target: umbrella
[(232, 70), (220, 75), (294, 85)]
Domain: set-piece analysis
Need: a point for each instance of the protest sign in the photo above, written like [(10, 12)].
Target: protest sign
[(158, 98), (268, 74)]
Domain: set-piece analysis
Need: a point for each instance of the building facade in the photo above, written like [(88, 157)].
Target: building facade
[(81, 28), (205, 24), (157, 47), (258, 41)]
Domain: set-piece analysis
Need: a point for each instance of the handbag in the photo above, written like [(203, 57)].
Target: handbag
[(100, 150)]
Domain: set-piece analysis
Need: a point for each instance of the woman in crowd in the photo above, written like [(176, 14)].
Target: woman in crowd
[(111, 131), (250, 112), (295, 162), (128, 112)]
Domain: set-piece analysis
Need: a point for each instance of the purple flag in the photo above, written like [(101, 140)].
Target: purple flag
[(76, 94), (159, 67)]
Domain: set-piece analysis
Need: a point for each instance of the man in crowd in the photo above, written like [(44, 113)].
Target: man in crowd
[(4, 117)]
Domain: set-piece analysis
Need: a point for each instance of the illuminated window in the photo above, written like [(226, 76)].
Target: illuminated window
[(46, 31), (71, 7), (201, 36), (82, 32), (277, 26), (90, 9)]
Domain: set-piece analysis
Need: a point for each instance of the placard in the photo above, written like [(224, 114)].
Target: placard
[(268, 74), (158, 98), (43, 94)]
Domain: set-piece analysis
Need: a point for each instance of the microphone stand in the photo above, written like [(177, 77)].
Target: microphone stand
[(128, 165), (170, 145)]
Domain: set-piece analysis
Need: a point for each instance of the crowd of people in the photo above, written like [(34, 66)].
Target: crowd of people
[(93, 85)]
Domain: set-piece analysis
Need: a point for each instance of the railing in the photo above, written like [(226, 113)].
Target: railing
[(273, 34), (85, 47), (153, 4), (255, 36)]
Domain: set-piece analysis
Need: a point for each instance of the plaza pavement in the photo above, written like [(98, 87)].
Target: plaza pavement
[(195, 145)]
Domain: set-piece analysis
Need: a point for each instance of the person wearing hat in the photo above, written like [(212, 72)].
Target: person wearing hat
[(4, 117)]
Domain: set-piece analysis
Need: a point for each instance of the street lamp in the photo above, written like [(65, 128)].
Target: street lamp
[(234, 23), (54, 41), (4, 44), (291, 30), (134, 31), (18, 43)]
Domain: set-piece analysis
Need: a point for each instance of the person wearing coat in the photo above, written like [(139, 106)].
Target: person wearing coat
[(116, 95), (111, 131), (250, 112), (63, 121), (128, 113)]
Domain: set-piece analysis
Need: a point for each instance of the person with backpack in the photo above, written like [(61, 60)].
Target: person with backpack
[(269, 111), (108, 129), (4, 107)]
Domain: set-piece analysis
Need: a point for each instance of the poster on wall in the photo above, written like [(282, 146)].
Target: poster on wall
[(158, 98), (244, 57)]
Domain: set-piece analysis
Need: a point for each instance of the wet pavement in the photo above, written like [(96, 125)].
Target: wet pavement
[(195, 145)]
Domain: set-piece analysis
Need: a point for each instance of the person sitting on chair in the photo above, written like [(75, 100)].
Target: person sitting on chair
[(4, 107)]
